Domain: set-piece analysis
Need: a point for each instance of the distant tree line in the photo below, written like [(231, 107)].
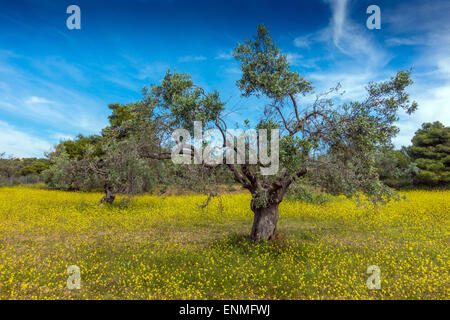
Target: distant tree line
[(21, 170)]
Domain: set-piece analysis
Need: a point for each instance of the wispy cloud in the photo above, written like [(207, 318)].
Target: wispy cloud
[(37, 100), (304, 41), (426, 27), (344, 36), (233, 70), (25, 94), (348, 50), (139, 69), (356, 58), (432, 105), (224, 56), (350, 38), (152, 71), (293, 58), (192, 58), (16, 142), (338, 20), (353, 83), (402, 42), (58, 68)]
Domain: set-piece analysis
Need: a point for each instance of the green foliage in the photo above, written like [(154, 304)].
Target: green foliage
[(88, 163), (9, 167), (71, 164), (22, 167), (67, 173), (358, 132), (431, 152), (266, 70), (78, 147), (336, 144), (395, 168), (120, 114), (34, 166), (294, 151), (259, 199), (180, 102), (194, 178), (302, 192), (126, 171)]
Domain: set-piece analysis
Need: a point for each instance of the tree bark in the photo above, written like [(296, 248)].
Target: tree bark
[(265, 222), (110, 195)]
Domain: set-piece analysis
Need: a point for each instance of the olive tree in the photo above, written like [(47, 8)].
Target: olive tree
[(114, 161), (335, 144)]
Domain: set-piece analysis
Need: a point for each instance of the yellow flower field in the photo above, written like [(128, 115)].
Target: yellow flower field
[(169, 248)]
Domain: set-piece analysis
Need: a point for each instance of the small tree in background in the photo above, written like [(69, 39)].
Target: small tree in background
[(395, 168), (70, 169), (94, 162), (430, 150)]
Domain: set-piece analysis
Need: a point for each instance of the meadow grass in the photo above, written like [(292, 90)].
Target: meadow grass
[(170, 248)]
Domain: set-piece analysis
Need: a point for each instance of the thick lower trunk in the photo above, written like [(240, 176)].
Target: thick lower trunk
[(109, 197), (265, 222)]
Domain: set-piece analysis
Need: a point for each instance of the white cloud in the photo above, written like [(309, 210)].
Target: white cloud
[(407, 129), (366, 61), (37, 100), (344, 36), (402, 41), (303, 41), (443, 65), (351, 38), (425, 25), (434, 105), (152, 71), (353, 80), (339, 11), (25, 94), (233, 70), (62, 136), (224, 56), (21, 144), (293, 58), (192, 58)]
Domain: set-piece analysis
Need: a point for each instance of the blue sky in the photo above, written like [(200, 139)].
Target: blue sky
[(56, 82)]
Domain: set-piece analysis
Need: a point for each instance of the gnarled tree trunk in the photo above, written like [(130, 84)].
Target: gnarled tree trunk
[(265, 222), (110, 195)]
